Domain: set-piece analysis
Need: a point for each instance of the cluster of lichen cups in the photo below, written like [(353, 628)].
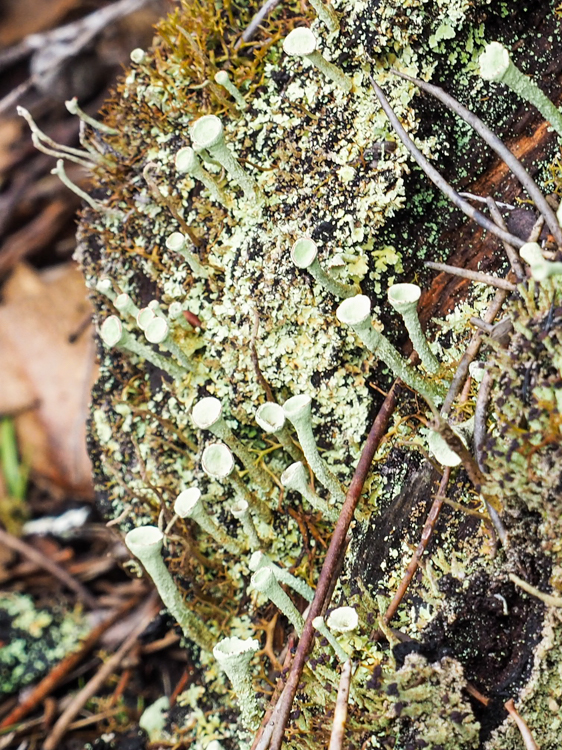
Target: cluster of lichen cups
[(234, 654), (217, 461)]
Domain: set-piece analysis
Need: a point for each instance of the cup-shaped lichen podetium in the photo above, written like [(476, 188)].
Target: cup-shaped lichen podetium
[(207, 415), (260, 560), (223, 79), (207, 133), (112, 334), (496, 65), (265, 582), (343, 619), (404, 299), (241, 511), (187, 162), (298, 410), (218, 462), (145, 542), (158, 332), (304, 255), (356, 313), (271, 418), (295, 477), (301, 42), (319, 624), (189, 504), (234, 656)]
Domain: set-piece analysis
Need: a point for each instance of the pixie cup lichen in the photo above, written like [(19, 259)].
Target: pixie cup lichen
[(298, 410), (260, 560), (295, 477), (356, 313), (113, 334), (146, 542), (265, 582), (404, 299), (301, 42), (207, 133), (304, 255), (496, 65), (271, 418), (320, 625), (234, 656), (207, 415), (189, 504), (187, 162)]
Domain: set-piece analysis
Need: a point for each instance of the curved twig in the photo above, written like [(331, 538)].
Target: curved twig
[(496, 144), (480, 278), (437, 179), (337, 544)]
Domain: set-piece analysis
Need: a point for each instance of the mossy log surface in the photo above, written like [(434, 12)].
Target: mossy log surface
[(327, 164)]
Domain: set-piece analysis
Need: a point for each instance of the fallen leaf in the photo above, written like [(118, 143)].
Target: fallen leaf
[(23, 17), (45, 378)]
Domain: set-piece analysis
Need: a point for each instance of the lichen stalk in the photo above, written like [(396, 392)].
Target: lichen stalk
[(260, 560), (241, 511), (234, 656), (301, 42), (189, 504), (496, 65), (320, 625), (271, 418), (146, 543), (187, 162), (303, 254), (113, 334), (266, 583), (207, 133), (404, 299), (355, 312), (326, 14), (298, 411), (295, 478), (207, 415)]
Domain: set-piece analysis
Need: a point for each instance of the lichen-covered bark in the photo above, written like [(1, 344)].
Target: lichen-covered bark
[(328, 166)]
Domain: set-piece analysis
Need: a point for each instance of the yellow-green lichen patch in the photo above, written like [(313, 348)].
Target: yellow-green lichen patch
[(34, 640)]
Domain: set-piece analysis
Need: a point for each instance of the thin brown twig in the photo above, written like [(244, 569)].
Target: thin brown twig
[(263, 735), (437, 178), (427, 531), (471, 352), (145, 615), (478, 276), (498, 146), (522, 725), (52, 567), (511, 253), (340, 712), (62, 669), (331, 562)]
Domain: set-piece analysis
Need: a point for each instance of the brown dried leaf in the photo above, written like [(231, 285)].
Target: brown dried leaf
[(46, 375), (23, 17)]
